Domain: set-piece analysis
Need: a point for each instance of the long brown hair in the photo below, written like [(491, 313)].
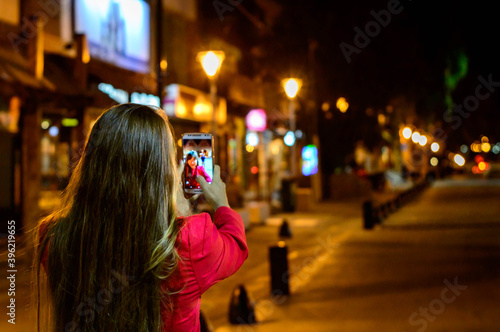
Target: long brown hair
[(112, 242)]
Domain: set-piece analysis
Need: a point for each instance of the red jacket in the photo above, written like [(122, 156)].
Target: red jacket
[(209, 253)]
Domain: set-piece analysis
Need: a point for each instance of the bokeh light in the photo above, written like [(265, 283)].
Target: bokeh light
[(459, 160), (407, 133), (342, 104), (289, 138), (486, 147), (422, 140), (415, 137)]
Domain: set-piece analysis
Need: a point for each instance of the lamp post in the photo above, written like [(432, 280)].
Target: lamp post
[(292, 87), (211, 62)]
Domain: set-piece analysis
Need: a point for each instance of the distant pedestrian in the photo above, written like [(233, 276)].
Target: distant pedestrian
[(203, 155), (123, 253)]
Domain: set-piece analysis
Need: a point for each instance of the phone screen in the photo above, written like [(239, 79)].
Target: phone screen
[(197, 150)]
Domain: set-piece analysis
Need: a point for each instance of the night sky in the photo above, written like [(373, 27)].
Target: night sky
[(431, 52)]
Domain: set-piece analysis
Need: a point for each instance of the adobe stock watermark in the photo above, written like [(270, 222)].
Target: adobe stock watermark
[(483, 91), (437, 306), (92, 306), (300, 275), (49, 9), (372, 29), (223, 6)]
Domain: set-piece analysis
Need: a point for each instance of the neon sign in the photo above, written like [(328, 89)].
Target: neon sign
[(309, 160), (118, 95)]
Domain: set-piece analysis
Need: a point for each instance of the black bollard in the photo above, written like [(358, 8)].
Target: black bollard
[(241, 308), (285, 230), (368, 215), (278, 261)]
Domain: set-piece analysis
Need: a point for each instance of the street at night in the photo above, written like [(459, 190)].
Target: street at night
[(249, 165), (391, 278)]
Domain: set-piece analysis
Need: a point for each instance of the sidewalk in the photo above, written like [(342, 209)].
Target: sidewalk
[(315, 235)]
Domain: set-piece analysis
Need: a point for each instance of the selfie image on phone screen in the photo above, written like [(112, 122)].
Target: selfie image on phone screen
[(198, 160)]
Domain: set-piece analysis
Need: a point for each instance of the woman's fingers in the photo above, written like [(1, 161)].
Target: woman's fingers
[(217, 172), (203, 183)]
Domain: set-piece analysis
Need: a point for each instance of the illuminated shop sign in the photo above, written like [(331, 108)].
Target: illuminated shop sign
[(121, 96), (145, 99), (309, 160), (118, 95), (188, 103), (117, 31)]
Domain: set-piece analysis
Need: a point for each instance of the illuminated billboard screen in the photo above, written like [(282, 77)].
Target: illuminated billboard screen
[(117, 31)]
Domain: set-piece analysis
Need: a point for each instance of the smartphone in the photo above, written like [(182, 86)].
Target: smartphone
[(198, 159)]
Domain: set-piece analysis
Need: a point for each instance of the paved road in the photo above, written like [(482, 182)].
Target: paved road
[(433, 265)]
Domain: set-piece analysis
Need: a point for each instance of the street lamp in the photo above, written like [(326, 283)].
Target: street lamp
[(211, 62), (292, 87)]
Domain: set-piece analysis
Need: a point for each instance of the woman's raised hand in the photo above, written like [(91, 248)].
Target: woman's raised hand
[(215, 193)]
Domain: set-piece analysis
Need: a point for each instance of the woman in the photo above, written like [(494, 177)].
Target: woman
[(203, 155), (192, 170), (122, 253)]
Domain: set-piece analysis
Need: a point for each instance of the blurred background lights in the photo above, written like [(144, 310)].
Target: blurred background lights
[(252, 139), (475, 147), (254, 170), (292, 87), (256, 120), (342, 104), (422, 140), (163, 64), (249, 148), (211, 61), (309, 160), (407, 133), (482, 166), (45, 124), (435, 147), (299, 134), (381, 119), (486, 147), (69, 122), (459, 160), (53, 131), (464, 148), (415, 137), (289, 138), (434, 161), (496, 148)]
